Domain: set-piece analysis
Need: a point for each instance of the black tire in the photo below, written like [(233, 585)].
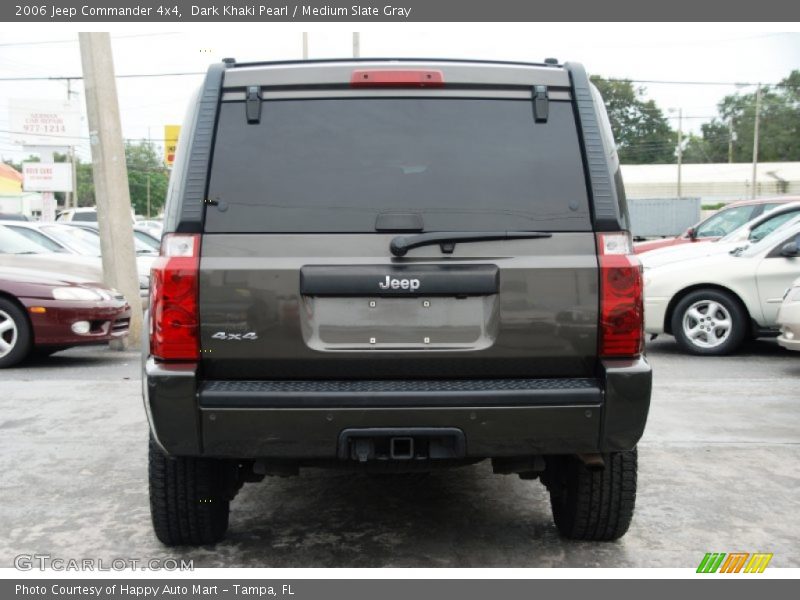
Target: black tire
[(737, 333), (18, 340), (189, 497), (592, 504)]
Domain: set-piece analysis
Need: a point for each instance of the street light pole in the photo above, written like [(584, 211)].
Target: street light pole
[(730, 140), (305, 45), (755, 139), (356, 45)]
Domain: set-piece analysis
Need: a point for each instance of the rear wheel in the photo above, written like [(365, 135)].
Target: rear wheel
[(15, 334), (189, 497), (709, 322), (592, 504)]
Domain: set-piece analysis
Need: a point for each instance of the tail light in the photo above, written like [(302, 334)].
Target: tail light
[(173, 299), (621, 310)]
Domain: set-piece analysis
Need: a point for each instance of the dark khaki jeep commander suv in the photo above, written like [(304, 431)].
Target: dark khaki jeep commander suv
[(395, 265)]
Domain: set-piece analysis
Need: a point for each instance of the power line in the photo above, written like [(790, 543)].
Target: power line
[(75, 41), (79, 77)]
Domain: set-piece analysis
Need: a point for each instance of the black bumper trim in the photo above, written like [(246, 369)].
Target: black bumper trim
[(399, 393)]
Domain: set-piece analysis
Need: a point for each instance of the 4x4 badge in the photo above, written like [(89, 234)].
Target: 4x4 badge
[(399, 284), (224, 335)]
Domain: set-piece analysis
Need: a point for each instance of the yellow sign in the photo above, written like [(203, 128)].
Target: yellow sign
[(171, 133)]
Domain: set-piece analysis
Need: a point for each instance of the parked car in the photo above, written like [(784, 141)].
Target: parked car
[(19, 251), (147, 237), (44, 312), (750, 233), (83, 215), (789, 318), (93, 230), (711, 304), (68, 239), (152, 226), (720, 224), (395, 280), (13, 217)]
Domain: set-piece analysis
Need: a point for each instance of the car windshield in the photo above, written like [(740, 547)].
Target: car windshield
[(80, 240), (781, 235), (92, 236), (13, 243), (725, 221), (147, 239), (764, 228)]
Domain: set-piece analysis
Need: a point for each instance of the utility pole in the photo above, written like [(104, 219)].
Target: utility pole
[(110, 174), (148, 196), (305, 45), (70, 155), (356, 44), (755, 139), (730, 140)]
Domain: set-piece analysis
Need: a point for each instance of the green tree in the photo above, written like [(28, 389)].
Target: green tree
[(144, 163), (641, 130), (779, 125)]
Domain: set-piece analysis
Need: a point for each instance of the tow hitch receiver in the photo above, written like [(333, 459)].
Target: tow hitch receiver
[(415, 443)]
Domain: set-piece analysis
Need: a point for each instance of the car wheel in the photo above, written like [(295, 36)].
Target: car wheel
[(189, 497), (709, 322), (592, 504), (15, 334)]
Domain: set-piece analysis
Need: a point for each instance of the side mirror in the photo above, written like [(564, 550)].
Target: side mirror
[(791, 249), (691, 233)]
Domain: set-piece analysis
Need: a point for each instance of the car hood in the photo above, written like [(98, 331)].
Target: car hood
[(674, 254), (63, 267)]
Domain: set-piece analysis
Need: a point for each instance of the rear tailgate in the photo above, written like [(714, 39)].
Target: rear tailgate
[(297, 278)]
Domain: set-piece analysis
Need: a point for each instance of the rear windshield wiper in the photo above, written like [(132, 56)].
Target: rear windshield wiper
[(401, 244)]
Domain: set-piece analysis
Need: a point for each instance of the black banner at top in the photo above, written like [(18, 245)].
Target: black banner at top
[(264, 11)]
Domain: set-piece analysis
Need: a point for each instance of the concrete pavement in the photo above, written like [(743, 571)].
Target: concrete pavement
[(718, 472)]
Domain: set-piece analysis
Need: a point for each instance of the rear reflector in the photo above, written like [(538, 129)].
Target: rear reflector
[(173, 299), (396, 78), (621, 310)]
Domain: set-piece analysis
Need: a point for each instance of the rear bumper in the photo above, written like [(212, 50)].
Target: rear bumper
[(303, 420)]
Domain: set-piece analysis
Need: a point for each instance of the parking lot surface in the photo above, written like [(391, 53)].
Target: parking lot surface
[(718, 473)]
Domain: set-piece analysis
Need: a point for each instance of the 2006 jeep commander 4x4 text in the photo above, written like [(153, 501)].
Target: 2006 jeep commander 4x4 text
[(395, 265)]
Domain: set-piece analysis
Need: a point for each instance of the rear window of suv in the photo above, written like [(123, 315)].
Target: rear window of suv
[(334, 165)]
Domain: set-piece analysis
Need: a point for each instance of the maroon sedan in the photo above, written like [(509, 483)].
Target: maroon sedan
[(45, 312)]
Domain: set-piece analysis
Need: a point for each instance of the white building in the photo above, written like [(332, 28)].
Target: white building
[(715, 182)]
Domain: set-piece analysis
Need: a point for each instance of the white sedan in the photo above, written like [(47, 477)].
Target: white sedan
[(789, 318), (712, 303)]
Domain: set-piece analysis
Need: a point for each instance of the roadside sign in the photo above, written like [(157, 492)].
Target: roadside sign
[(47, 177), (44, 122), (171, 133)]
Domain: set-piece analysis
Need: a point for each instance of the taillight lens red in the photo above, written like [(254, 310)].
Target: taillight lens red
[(173, 299), (621, 289)]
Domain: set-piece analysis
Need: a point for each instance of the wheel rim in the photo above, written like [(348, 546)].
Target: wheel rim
[(707, 324), (8, 333)]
